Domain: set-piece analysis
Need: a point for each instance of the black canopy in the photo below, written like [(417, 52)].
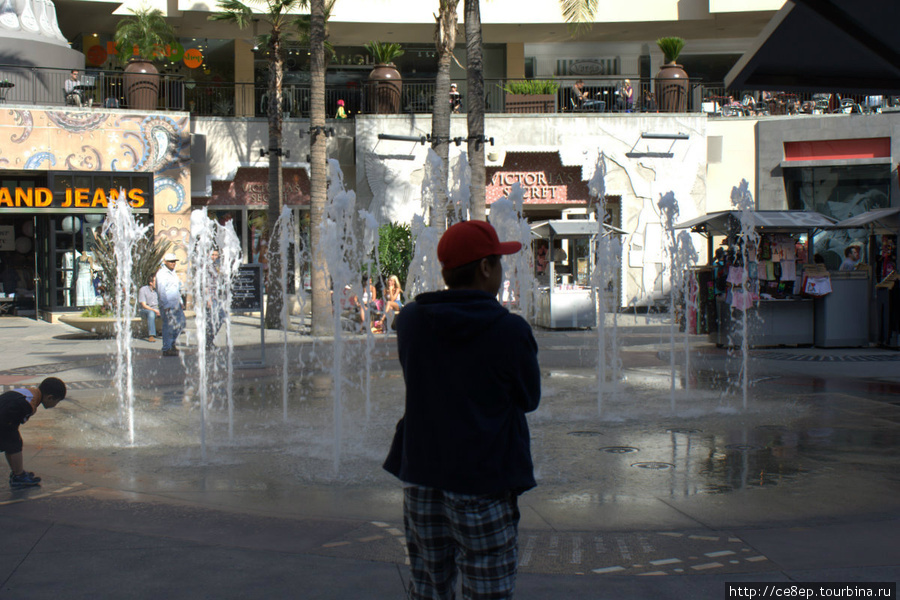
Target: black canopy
[(849, 46)]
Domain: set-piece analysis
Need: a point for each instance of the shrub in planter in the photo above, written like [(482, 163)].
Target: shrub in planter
[(531, 96)]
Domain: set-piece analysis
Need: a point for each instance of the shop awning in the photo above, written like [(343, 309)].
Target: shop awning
[(848, 46), (723, 222), (881, 219), (569, 228)]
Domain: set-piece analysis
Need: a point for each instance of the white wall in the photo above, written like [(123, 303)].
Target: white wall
[(390, 174), (732, 158)]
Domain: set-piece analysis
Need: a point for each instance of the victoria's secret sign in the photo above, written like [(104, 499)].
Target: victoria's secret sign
[(250, 187), (543, 178)]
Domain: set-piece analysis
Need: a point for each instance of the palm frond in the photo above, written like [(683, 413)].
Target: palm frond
[(233, 11), (578, 11)]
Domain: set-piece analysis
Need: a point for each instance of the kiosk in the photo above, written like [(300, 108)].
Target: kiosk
[(875, 309), (779, 313), (566, 297)]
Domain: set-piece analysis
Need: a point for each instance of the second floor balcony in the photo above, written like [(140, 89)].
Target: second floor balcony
[(107, 89)]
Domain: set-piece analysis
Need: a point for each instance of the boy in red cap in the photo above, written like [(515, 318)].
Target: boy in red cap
[(462, 447), (16, 407)]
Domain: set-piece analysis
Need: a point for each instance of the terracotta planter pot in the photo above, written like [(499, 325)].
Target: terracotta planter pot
[(672, 88), (530, 103), (141, 80), (385, 85)]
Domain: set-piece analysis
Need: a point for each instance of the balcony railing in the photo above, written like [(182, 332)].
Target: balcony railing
[(417, 96), (44, 86)]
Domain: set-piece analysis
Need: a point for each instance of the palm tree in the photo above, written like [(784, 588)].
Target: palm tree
[(318, 181), (574, 11), (445, 42), (277, 13), (475, 105)]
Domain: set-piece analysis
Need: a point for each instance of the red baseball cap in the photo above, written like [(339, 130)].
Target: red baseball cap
[(469, 241)]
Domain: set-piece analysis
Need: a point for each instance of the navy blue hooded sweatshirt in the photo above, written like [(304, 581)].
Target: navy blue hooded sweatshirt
[(471, 374)]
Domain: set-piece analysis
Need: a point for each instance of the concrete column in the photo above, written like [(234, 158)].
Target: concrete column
[(244, 94), (515, 61)]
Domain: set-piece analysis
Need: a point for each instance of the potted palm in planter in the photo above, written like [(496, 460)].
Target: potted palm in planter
[(385, 81), (141, 39), (671, 80), (531, 96)]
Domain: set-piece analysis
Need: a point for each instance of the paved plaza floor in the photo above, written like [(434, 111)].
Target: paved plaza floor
[(242, 482)]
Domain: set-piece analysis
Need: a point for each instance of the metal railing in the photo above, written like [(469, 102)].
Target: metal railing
[(45, 86), (723, 102)]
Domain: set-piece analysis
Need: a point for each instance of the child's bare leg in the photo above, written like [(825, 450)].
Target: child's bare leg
[(16, 462)]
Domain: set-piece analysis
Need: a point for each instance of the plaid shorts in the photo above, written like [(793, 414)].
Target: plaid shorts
[(477, 534)]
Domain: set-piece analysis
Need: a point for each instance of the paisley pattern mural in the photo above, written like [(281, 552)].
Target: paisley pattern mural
[(103, 140)]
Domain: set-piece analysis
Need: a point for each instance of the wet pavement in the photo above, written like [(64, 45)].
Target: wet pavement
[(651, 486)]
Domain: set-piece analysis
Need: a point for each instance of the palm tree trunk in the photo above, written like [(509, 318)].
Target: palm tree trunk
[(321, 306), (475, 105), (275, 301), (445, 42)]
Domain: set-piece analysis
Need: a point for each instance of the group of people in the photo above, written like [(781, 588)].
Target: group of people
[(377, 313), (461, 449), (162, 297), (623, 98)]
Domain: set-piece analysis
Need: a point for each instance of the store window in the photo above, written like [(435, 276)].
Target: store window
[(839, 192), (69, 256)]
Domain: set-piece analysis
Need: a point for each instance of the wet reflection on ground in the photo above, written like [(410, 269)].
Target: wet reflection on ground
[(639, 442)]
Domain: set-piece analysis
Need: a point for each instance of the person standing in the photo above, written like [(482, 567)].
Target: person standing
[(462, 448), (455, 99), (341, 113), (148, 300), (16, 407), (171, 306)]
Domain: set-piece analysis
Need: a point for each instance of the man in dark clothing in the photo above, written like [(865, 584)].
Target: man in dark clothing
[(16, 407), (462, 448)]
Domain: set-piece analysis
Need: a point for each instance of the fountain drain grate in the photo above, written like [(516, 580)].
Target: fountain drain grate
[(619, 449), (654, 466), (742, 447)]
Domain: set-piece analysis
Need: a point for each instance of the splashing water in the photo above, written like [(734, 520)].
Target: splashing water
[(230, 258), (125, 233), (285, 232), (605, 281), (742, 200), (668, 206), (519, 288), (200, 247), (338, 245)]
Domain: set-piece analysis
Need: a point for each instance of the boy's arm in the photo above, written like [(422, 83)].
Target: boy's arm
[(527, 371)]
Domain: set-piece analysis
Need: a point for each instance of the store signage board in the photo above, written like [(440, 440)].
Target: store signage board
[(41, 198), (247, 296)]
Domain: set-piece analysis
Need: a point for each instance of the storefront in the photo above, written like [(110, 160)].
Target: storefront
[(551, 190), (59, 170), (244, 202)]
